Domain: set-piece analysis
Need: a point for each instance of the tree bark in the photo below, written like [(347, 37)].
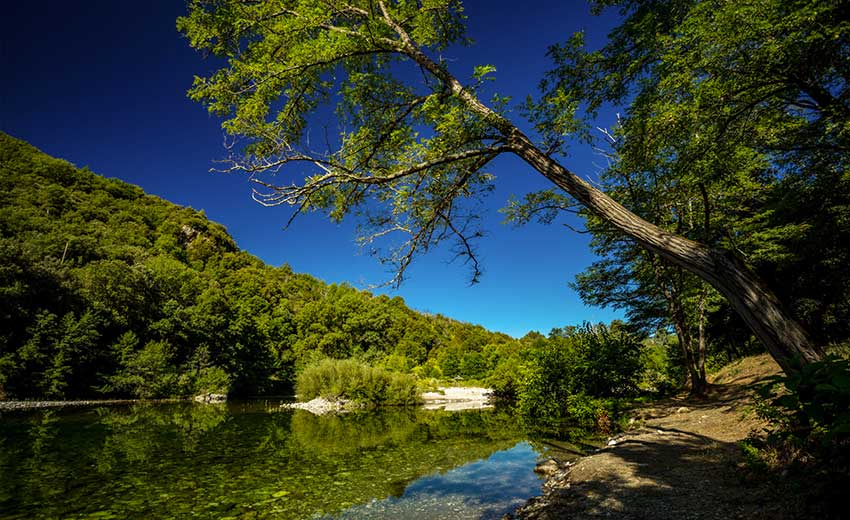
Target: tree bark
[(783, 337), (702, 333), (677, 316)]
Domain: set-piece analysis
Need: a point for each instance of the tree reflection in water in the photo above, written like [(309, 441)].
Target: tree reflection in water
[(233, 460)]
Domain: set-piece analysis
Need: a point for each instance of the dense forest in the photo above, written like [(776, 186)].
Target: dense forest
[(107, 291)]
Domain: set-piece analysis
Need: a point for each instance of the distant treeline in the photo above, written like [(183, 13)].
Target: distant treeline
[(107, 291)]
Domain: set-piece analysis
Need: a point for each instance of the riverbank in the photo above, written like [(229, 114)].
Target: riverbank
[(445, 398), (6, 406), (454, 398), (679, 460)]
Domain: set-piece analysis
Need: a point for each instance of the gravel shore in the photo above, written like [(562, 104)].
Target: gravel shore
[(456, 398), (6, 406), (679, 460), (445, 398)]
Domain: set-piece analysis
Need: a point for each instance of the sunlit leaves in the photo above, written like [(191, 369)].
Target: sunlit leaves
[(324, 89)]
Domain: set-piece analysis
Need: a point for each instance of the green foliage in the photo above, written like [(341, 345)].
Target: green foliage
[(410, 156), (807, 447), (106, 291), (428, 370), (562, 378), (811, 408), (662, 370), (731, 109), (734, 133), (214, 380), (148, 373), (353, 380)]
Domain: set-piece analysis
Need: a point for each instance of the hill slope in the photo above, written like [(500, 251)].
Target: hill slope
[(107, 291)]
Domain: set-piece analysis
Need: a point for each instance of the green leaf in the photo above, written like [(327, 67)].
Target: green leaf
[(482, 70)]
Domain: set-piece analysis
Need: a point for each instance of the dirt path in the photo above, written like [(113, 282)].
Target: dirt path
[(680, 461)]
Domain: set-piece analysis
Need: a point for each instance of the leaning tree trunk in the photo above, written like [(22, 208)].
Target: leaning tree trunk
[(783, 337)]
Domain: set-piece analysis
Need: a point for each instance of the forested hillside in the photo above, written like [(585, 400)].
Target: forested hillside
[(107, 291)]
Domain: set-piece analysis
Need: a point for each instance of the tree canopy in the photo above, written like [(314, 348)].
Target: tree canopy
[(356, 97), (737, 121)]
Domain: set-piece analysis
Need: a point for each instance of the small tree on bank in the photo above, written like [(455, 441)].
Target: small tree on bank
[(410, 151)]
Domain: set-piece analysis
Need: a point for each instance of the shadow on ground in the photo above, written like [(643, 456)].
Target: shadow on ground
[(668, 475), (683, 463)]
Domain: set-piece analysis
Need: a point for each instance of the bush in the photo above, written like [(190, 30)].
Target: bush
[(661, 373), (428, 369), (355, 381), (607, 360), (212, 380), (560, 379), (810, 408), (584, 411), (148, 373), (807, 448), (505, 379)]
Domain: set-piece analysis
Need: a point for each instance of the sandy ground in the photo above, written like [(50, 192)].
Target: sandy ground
[(680, 460)]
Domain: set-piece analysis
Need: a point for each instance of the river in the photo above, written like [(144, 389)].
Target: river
[(247, 460)]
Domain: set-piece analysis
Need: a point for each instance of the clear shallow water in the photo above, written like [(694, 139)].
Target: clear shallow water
[(251, 460), (485, 489)]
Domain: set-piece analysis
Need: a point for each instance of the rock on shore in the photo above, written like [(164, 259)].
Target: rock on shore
[(445, 398), (211, 398), (458, 398), (320, 406)]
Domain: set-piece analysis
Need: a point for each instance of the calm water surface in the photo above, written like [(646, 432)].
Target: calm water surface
[(252, 460)]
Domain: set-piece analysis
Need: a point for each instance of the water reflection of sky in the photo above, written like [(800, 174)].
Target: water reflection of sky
[(485, 489)]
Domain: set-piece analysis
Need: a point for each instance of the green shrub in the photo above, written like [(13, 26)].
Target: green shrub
[(661, 373), (811, 407), (214, 380), (506, 378), (356, 381), (584, 410), (560, 380), (807, 447), (473, 365), (606, 360), (148, 373), (428, 369)]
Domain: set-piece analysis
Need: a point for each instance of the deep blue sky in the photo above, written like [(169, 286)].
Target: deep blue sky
[(102, 84)]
